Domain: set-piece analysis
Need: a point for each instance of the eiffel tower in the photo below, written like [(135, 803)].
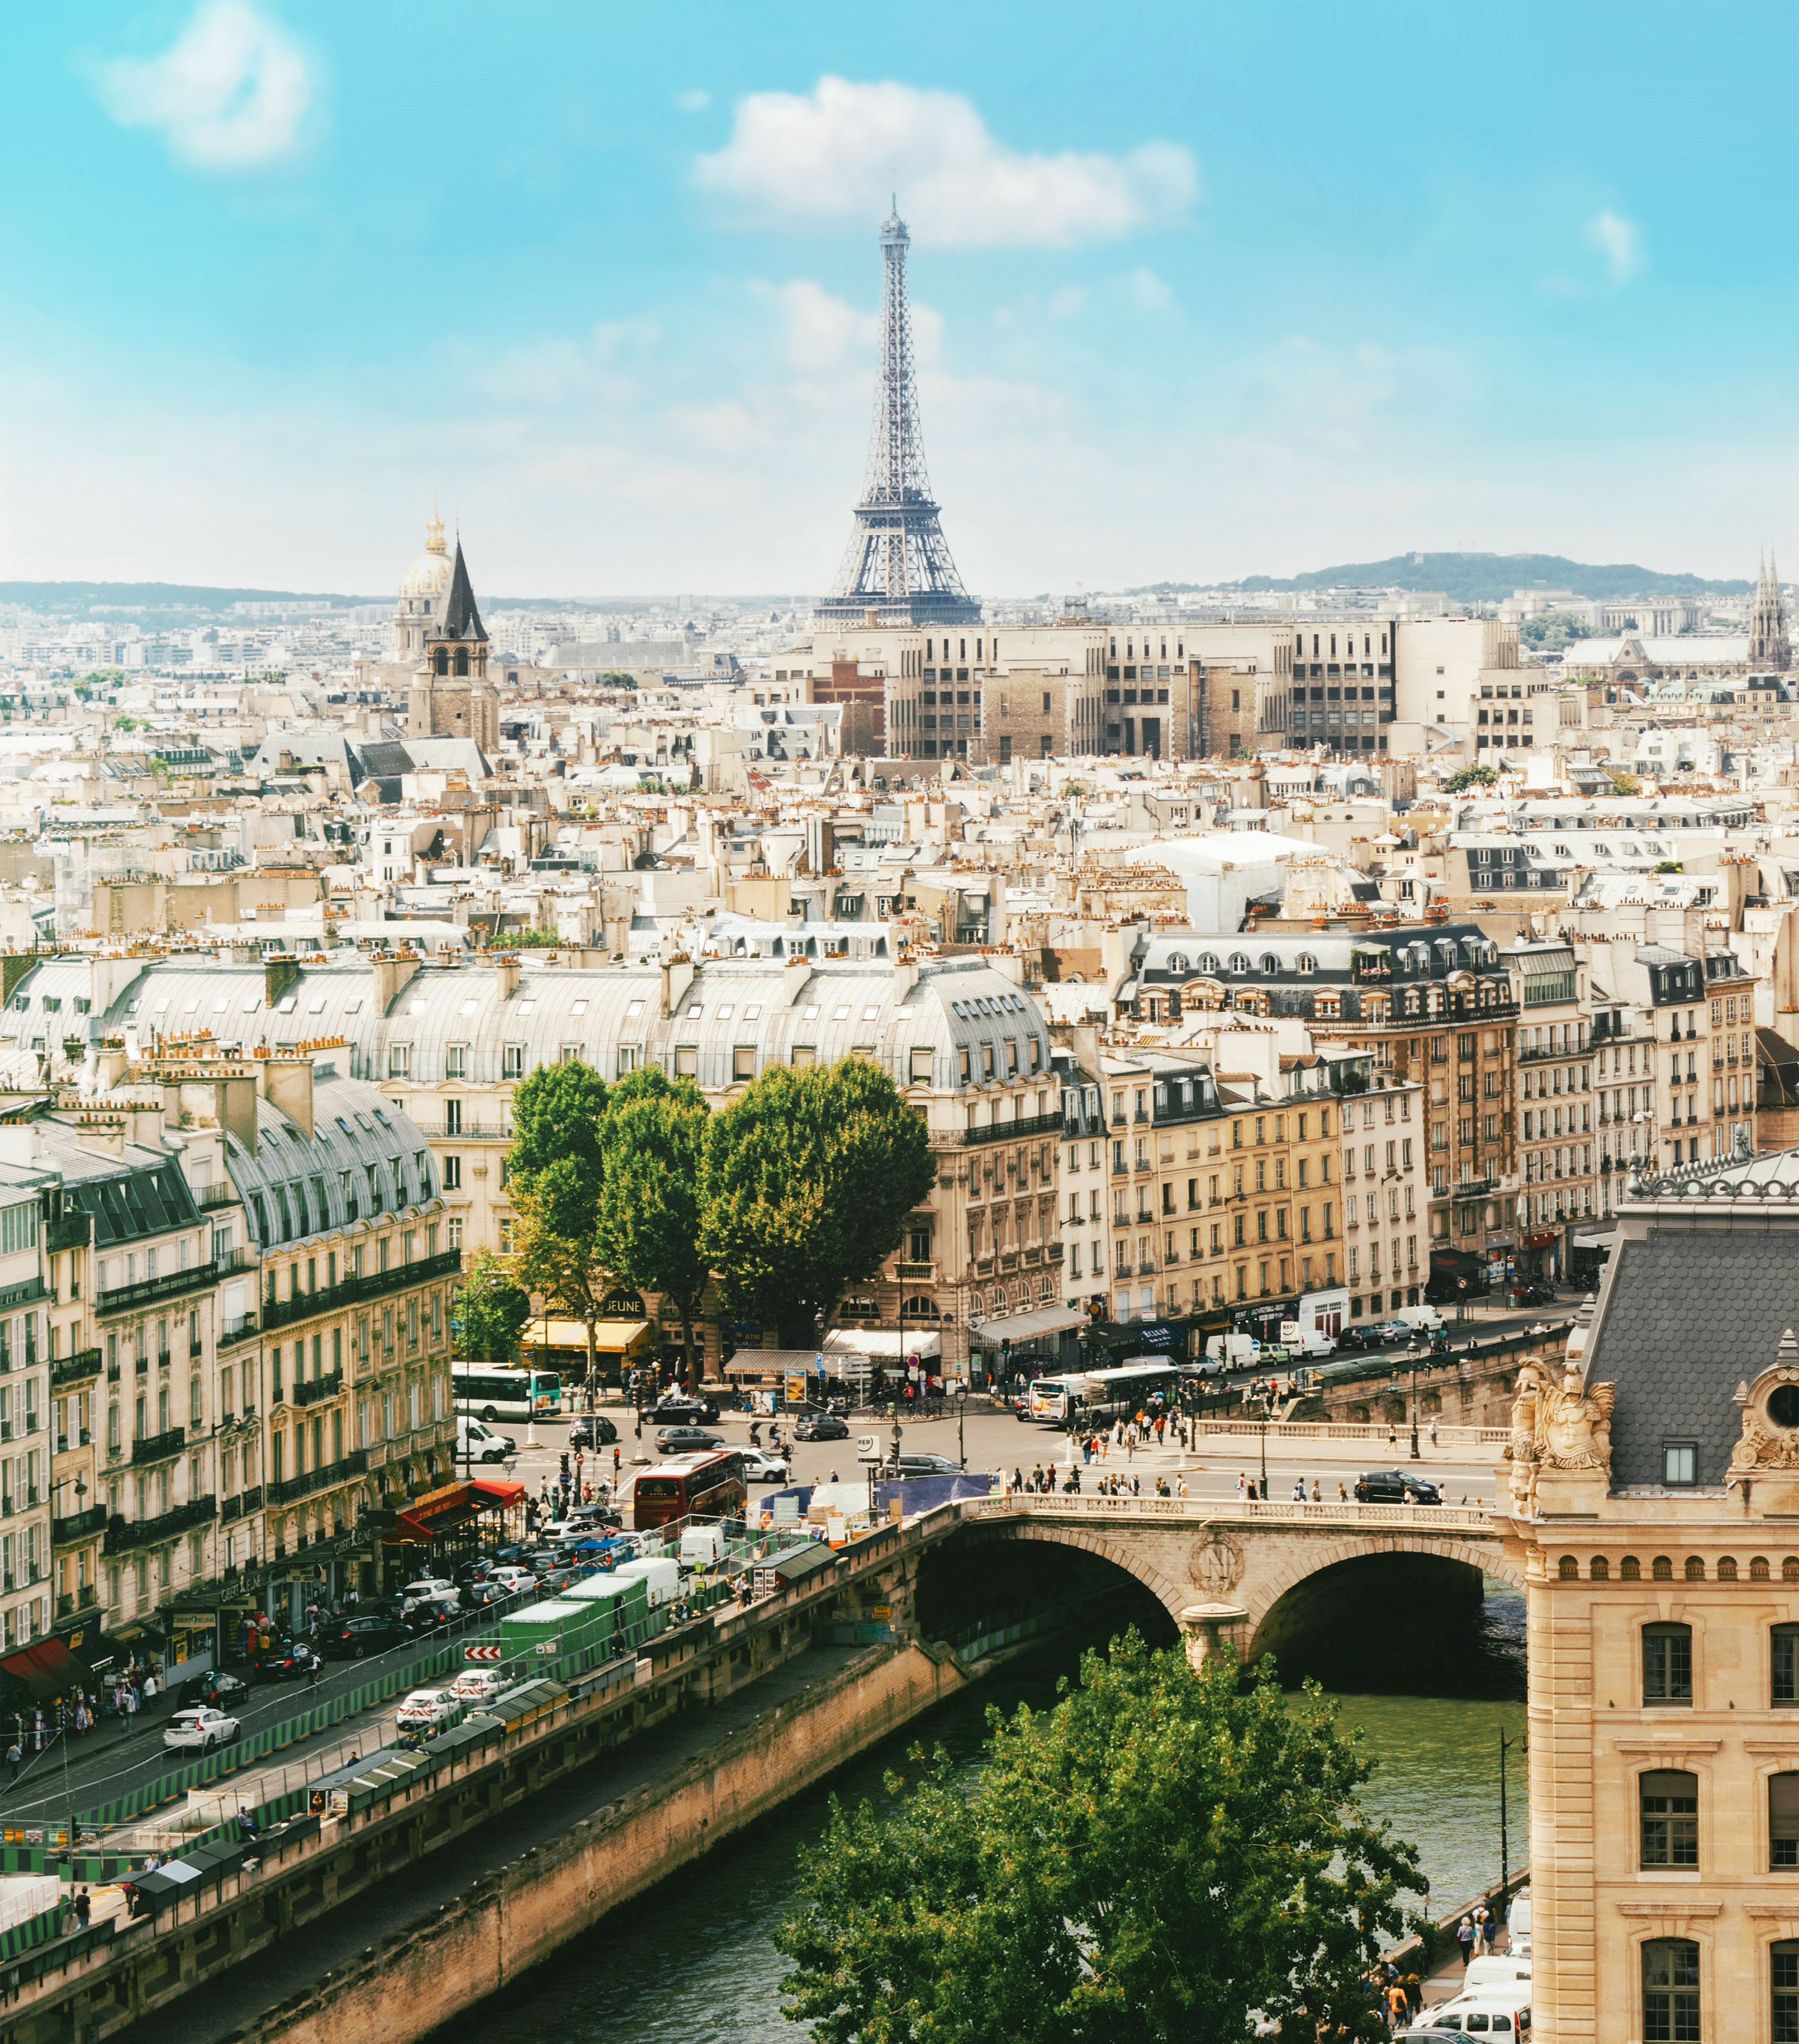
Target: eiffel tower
[(898, 561)]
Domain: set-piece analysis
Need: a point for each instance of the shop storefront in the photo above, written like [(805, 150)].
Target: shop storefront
[(446, 1528), (1037, 1343), (860, 1358), (619, 1347)]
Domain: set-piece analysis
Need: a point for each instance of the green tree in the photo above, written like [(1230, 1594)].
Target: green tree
[(1156, 1857), (555, 1178), (491, 1313), (1625, 784), (128, 724), (1555, 631), (653, 1141), (809, 1178), (1470, 777)]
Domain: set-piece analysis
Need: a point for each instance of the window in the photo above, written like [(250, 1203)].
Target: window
[(456, 1061), (1785, 1695), (1669, 1806), (1783, 1829), (1670, 1991), (1784, 1979), (453, 1174), (921, 1065), (687, 1061), (399, 1060), (743, 1062), (511, 1061), (1667, 1664), (1680, 1462)]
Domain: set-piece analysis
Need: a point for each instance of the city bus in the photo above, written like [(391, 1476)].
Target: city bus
[(491, 1393), (708, 1484), (1097, 1398)]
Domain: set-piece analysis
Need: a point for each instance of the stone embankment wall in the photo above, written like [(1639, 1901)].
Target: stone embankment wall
[(510, 1921)]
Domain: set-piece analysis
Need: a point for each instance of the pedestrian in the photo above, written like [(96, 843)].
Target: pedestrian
[(1433, 1430), (1483, 1927), (1243, 1485), (1299, 1491), (1342, 1492), (1396, 2007), (15, 1758), (1465, 1938), (1180, 1486), (1414, 1997), (83, 1910), (128, 1701), (1392, 1436), (150, 1690)]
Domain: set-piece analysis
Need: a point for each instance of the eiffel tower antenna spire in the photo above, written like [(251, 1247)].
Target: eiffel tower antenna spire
[(898, 561)]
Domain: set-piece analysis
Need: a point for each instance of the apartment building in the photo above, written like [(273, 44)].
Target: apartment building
[(1386, 1192), (1559, 1116), (1430, 1004), (27, 1493), (1652, 1523)]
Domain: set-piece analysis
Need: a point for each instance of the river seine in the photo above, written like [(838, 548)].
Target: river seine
[(693, 1960)]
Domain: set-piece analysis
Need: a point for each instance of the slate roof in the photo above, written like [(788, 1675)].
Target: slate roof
[(461, 619), (1688, 1315)]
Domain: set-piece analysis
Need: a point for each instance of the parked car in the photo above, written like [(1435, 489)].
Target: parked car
[(427, 1710), (218, 1689), (367, 1632), (558, 1579), (1353, 1341), (822, 1427), (1395, 1487), (424, 1613), (761, 1465), (425, 1586), (478, 1685), (478, 1596), (511, 1578), (1397, 1334), (924, 1465), (476, 1442), (684, 1440), (580, 1520), (287, 1663), (200, 1729), (594, 1430)]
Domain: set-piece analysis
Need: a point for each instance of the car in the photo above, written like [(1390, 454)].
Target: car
[(425, 1586), (559, 1580), (580, 1520), (684, 1440), (201, 1730), (427, 1710), (683, 1406), (1391, 1334), (1359, 1340), (422, 1614), (513, 1578), (218, 1689), (823, 1427), (478, 1596), (761, 1466), (1395, 1487), (924, 1465), (477, 1442), (368, 1632), (287, 1662), (592, 1430), (479, 1685)]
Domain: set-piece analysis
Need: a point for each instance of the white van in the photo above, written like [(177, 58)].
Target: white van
[(1233, 1351), (1503, 2010), (661, 1577), (1518, 1924), (1427, 1319), (1496, 1970), (476, 1442), (1299, 1342)]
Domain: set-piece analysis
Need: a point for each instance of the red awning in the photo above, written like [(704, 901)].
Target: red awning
[(449, 1510), (47, 1668)]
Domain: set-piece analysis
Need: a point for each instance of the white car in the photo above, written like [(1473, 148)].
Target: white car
[(760, 1466), (427, 1710), (427, 1586), (200, 1731), (478, 1685), (514, 1579)]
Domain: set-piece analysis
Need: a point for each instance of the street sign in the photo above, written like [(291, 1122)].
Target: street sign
[(547, 1646), (482, 1653)]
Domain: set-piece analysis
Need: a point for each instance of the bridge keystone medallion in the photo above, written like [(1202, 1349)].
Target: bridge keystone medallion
[(1217, 1567)]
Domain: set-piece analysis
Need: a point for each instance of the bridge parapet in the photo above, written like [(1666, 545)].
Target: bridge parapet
[(1228, 1511)]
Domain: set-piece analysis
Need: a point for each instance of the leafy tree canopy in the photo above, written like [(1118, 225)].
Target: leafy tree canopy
[(491, 1313), (653, 1140), (1154, 1858), (1555, 630), (1626, 784), (809, 1178), (1470, 777), (556, 1113)]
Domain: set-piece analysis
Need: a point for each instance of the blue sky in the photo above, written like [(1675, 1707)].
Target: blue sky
[(1203, 290)]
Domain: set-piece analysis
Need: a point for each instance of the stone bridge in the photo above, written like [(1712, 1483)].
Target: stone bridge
[(1246, 1574)]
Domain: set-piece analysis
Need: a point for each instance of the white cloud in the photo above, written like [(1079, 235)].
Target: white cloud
[(1620, 242), (835, 154), (822, 331), (1152, 294), (233, 91), (694, 101)]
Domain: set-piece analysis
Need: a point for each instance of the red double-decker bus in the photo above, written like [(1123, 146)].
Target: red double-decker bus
[(706, 1484)]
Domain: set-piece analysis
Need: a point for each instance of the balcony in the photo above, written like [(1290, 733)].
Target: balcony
[(70, 1602), (71, 1232), (78, 1525), (924, 1273), (247, 1501), (123, 1535), (1013, 1131), (285, 1490), (76, 1368), (209, 1198), (158, 1447), (317, 1388), (242, 1328), (490, 1131), (199, 1278), (354, 1291)]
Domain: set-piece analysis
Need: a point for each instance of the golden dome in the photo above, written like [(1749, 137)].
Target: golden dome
[(429, 575)]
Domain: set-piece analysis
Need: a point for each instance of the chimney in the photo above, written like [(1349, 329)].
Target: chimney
[(676, 978), (278, 974), (506, 977), (288, 1082), (390, 975)]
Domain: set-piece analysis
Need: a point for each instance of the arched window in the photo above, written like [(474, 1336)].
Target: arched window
[(1667, 1664), (1177, 961), (1662, 1569), (1669, 1805), (1789, 1569), (1670, 1989), (462, 659), (1783, 1820), (1599, 1569), (1727, 1568), (1695, 1569), (1239, 961), (1305, 962), (441, 661), (1570, 1569), (1630, 1569), (1758, 1569), (918, 1308), (1271, 965), (1208, 962)]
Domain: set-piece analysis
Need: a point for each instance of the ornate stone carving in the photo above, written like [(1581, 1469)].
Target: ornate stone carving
[(1521, 1450), (1574, 1426), (1217, 1567), (1765, 1444)]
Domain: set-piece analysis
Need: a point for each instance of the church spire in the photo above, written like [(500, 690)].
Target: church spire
[(461, 619), (1770, 644)]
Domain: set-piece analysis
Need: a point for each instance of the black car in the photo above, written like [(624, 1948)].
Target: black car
[(1360, 1340), (684, 1410), (217, 1690), (685, 1440), (1395, 1487), (822, 1427), (368, 1632), (595, 1429), (290, 1662)]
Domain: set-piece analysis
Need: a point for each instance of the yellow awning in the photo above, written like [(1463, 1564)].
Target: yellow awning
[(610, 1338)]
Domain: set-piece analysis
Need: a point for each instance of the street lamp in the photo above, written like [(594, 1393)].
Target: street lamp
[(1414, 1356), (1264, 1424), (961, 1417)]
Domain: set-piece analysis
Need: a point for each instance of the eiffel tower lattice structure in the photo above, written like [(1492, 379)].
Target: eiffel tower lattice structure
[(898, 561)]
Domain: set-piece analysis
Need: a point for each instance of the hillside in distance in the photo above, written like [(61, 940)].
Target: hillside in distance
[(1488, 577)]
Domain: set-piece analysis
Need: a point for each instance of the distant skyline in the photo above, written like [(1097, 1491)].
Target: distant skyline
[(1223, 292)]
